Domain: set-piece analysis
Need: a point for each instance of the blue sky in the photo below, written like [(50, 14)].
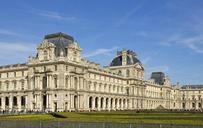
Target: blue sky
[(167, 35)]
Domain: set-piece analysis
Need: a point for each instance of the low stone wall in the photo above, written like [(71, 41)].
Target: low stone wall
[(65, 124)]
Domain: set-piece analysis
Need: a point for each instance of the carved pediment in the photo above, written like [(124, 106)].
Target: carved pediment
[(45, 45), (138, 66)]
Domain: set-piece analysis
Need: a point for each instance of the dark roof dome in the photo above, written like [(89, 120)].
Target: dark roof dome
[(130, 59), (61, 41)]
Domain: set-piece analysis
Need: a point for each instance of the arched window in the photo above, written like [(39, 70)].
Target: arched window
[(90, 102), (75, 102), (14, 101), (45, 55), (96, 102), (101, 104), (127, 73)]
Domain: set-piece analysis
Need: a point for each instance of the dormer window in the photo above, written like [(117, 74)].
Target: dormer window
[(45, 55)]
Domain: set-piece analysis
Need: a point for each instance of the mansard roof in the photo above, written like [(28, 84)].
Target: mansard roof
[(61, 41), (158, 77), (192, 86), (131, 59), (13, 65)]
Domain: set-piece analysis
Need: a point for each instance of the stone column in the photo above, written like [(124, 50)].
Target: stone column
[(47, 81), (69, 82), (40, 100), (71, 101), (19, 103), (99, 104), (47, 102), (109, 103), (37, 82), (93, 103), (72, 82), (11, 103), (3, 103), (121, 104), (80, 83), (127, 103), (104, 104), (113, 104)]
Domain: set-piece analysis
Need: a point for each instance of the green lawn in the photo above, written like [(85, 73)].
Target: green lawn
[(118, 117)]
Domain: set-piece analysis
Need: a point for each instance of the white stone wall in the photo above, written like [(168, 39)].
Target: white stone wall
[(68, 84)]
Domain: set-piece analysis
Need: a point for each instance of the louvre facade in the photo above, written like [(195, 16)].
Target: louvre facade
[(59, 79)]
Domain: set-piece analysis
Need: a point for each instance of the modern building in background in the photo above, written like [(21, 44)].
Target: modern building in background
[(59, 79)]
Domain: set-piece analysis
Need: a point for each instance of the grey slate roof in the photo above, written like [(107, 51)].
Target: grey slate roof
[(131, 59), (61, 41), (192, 86), (13, 65), (158, 77)]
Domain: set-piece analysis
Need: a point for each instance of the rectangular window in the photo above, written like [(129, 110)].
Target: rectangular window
[(14, 84), (55, 67), (66, 82), (55, 82), (22, 86)]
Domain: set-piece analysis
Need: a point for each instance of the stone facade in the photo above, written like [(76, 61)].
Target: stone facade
[(59, 79)]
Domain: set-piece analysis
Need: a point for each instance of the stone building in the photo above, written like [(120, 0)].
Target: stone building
[(59, 79)]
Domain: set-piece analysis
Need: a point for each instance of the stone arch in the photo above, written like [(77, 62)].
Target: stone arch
[(102, 102), (120, 103), (23, 101), (128, 103), (75, 102), (111, 103), (15, 101), (124, 103), (90, 102), (7, 101), (107, 102), (96, 102), (116, 103)]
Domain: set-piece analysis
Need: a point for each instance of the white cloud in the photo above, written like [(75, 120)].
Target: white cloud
[(15, 52), (8, 32), (194, 43), (16, 47), (127, 16), (101, 51), (55, 15)]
